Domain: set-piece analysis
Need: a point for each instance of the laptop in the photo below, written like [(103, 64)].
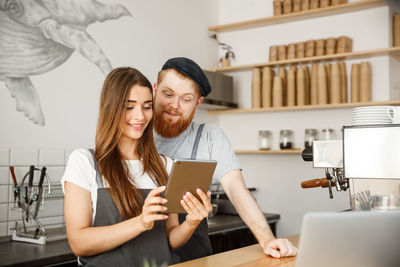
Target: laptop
[(362, 239)]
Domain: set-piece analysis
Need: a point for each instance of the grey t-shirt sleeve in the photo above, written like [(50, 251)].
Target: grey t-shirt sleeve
[(221, 151)]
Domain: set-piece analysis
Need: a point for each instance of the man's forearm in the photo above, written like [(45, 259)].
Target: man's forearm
[(247, 207)]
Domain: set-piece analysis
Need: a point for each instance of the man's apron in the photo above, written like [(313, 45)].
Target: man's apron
[(199, 244)]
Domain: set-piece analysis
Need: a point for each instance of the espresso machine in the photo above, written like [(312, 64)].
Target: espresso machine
[(365, 162)]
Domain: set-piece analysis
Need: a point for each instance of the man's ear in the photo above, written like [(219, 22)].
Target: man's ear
[(155, 88), (199, 101)]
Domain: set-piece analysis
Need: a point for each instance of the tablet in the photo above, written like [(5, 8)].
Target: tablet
[(186, 176)]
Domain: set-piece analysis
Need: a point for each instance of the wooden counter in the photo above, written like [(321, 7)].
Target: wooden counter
[(57, 252), (251, 256)]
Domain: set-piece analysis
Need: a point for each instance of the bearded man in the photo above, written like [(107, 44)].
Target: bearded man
[(181, 87)]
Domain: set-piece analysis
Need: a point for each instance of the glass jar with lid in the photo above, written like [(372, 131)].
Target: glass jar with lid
[(264, 140), (328, 134), (309, 136), (286, 139)]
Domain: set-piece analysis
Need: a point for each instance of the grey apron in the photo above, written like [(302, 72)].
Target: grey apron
[(151, 246), (199, 244)]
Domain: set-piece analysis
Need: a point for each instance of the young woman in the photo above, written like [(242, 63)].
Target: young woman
[(112, 203)]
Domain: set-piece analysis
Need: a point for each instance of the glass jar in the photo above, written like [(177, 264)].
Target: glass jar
[(286, 139), (328, 134), (309, 136), (264, 140)]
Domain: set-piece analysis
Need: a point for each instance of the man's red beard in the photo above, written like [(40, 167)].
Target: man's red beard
[(166, 128)]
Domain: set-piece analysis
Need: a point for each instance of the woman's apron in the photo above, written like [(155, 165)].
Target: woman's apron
[(150, 246)]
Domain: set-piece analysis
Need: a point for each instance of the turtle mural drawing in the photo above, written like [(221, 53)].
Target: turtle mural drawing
[(36, 36)]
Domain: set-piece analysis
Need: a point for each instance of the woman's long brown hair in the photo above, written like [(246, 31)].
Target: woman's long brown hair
[(110, 125)]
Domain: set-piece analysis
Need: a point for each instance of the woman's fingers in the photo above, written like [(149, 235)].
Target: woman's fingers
[(155, 200), (154, 209), (197, 209), (185, 206), (153, 197), (205, 199), (157, 217), (155, 192), (202, 209), (192, 202), (149, 219), (152, 206)]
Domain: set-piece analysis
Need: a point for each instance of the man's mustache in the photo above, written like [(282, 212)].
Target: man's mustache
[(173, 112)]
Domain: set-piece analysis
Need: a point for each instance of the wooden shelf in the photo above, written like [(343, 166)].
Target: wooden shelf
[(309, 14), (284, 151), (308, 107), (391, 51)]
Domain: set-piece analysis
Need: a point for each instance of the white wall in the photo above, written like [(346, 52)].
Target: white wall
[(278, 177), (69, 94)]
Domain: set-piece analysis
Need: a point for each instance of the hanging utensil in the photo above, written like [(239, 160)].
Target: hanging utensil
[(40, 192)]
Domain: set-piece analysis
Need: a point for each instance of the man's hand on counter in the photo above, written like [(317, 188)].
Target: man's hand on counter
[(247, 208), (279, 247)]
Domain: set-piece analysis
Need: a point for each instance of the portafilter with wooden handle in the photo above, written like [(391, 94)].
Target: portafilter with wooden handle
[(321, 182)]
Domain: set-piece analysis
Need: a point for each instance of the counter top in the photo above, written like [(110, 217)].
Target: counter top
[(251, 256), (224, 222), (19, 253)]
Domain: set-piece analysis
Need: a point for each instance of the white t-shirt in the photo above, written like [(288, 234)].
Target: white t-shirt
[(80, 170)]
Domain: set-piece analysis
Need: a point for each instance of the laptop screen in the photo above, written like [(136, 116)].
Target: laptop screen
[(350, 239)]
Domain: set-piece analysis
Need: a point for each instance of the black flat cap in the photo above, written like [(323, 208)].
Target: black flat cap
[(190, 69)]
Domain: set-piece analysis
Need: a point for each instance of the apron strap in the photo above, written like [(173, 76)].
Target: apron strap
[(196, 141), (96, 167)]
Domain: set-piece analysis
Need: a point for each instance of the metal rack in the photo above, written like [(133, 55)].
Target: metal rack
[(55, 192), (29, 198)]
